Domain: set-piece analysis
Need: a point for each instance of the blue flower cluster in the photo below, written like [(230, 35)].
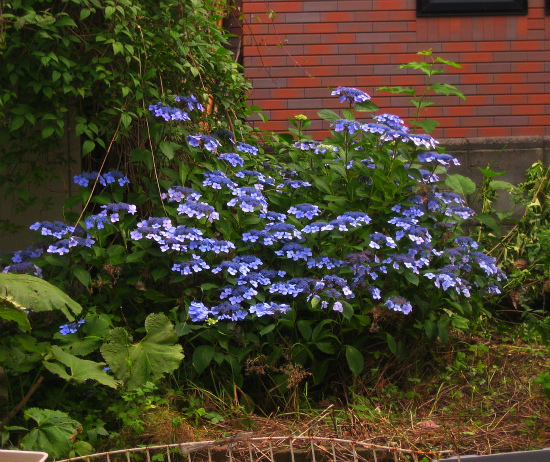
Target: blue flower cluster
[(71, 328), (191, 101), (351, 95), (85, 178), (168, 113)]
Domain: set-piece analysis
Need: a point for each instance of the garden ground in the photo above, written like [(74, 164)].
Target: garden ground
[(474, 395)]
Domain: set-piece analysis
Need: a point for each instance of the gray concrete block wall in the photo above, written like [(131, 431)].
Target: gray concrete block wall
[(512, 155)]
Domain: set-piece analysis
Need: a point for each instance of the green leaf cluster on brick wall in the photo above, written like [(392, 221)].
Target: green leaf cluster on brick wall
[(90, 68)]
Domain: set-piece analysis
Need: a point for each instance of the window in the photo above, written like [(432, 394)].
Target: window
[(471, 7)]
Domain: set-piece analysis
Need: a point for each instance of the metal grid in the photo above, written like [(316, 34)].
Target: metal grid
[(247, 448)]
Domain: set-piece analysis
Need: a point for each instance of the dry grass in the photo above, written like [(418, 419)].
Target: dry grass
[(476, 398)]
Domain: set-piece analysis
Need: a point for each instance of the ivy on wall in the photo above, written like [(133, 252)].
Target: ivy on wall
[(91, 68)]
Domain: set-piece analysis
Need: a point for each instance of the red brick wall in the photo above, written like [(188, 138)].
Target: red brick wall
[(293, 54)]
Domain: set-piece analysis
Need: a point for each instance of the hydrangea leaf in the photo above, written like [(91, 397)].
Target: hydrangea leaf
[(81, 369), (25, 292), (355, 359), (460, 184), (12, 314), (148, 360), (53, 433)]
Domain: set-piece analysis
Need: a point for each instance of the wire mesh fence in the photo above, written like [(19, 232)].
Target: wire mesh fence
[(247, 448)]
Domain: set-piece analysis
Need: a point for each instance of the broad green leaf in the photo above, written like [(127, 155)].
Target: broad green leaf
[(402, 90), (460, 184), (304, 328), (13, 314), (392, 345), (327, 114), (53, 433), (427, 125), (82, 275), (148, 360), (80, 369), (202, 357), (366, 106), (25, 292), (497, 184), (488, 173), (355, 359)]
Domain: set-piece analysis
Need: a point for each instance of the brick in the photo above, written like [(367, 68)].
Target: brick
[(321, 28), (406, 80), (493, 67), (539, 119), (536, 35), (302, 39), (372, 37), (353, 5), (511, 99), (390, 26), (371, 81), (268, 104), (355, 70), (336, 81), (458, 111), (372, 58), (500, 28), (287, 93), (300, 18), (306, 103), (269, 82), (354, 27), (337, 38), (534, 24), (373, 16), (494, 131), (538, 77), (393, 5), (459, 132), (488, 28), (538, 55), (492, 46), (527, 67), (458, 46), (527, 109), (487, 121), (340, 16), (323, 71), (302, 82), (493, 110), (476, 78), (479, 100), (509, 78), (529, 88), (389, 48), (456, 28), (318, 6), (494, 89), (528, 131), (320, 49), (526, 45), (477, 57), (509, 121), (341, 60)]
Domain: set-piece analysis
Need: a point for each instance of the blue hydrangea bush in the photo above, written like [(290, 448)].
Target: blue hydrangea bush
[(273, 250)]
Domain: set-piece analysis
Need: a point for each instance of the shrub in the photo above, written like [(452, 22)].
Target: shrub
[(284, 257)]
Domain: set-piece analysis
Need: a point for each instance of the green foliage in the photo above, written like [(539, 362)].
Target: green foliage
[(22, 292), (53, 432), (155, 355), (90, 69), (421, 101)]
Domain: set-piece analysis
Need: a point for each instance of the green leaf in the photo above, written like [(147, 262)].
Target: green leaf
[(460, 184), (53, 433), (428, 125), (202, 356), (355, 359), (81, 369), (148, 360), (304, 328), (488, 173), (401, 90), (24, 292), (327, 114), (392, 345), (13, 314), (65, 21), (82, 275), (366, 106), (497, 184), (87, 147), (446, 89)]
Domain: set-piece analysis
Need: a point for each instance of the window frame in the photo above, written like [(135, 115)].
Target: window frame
[(472, 8)]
